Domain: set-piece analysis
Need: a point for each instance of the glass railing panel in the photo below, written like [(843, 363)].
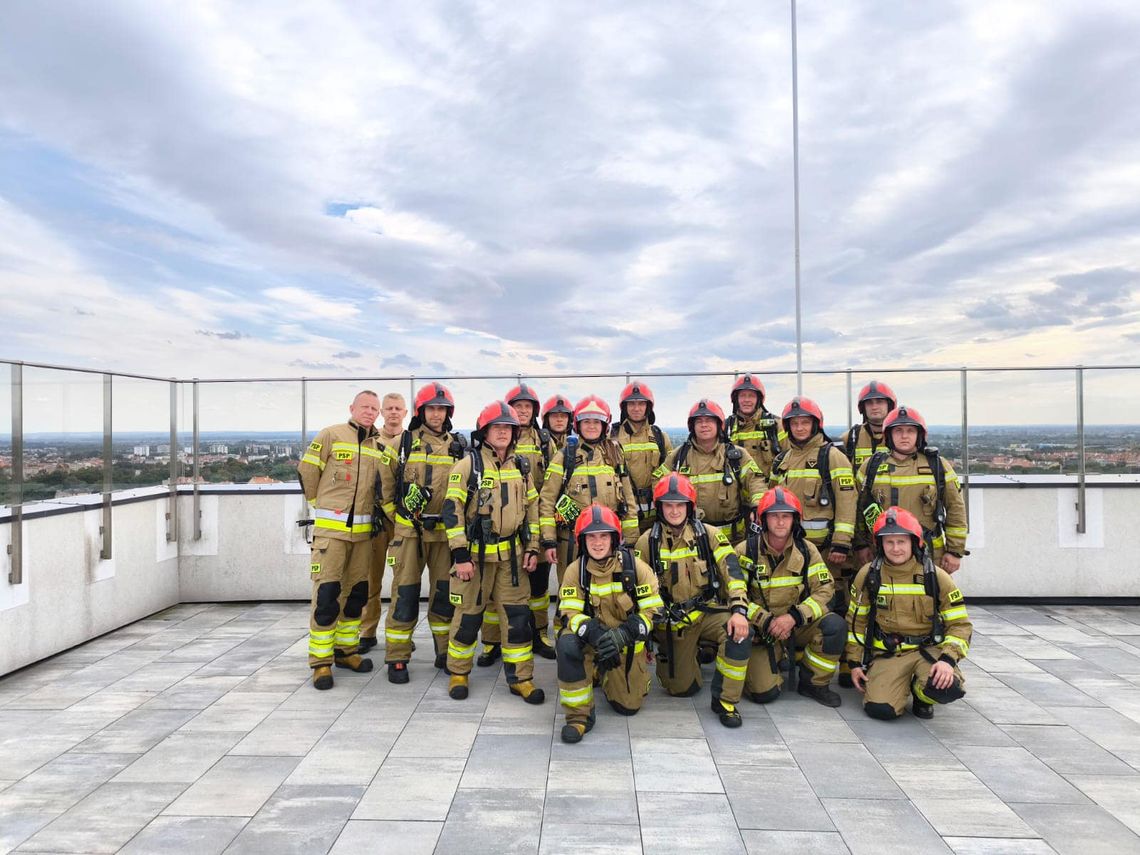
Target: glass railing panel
[(1112, 421), (6, 466), (63, 434), (248, 432), (140, 439)]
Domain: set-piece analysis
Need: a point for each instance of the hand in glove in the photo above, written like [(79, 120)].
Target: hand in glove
[(591, 632), (609, 647)]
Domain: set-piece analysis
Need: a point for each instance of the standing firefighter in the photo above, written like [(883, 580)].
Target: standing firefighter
[(491, 516), (876, 399), (820, 475), (338, 478), (909, 627), (790, 588), (751, 426), (607, 600), (534, 444), (416, 481), (704, 595), (589, 469), (644, 444), (913, 475), (556, 414), (728, 482)]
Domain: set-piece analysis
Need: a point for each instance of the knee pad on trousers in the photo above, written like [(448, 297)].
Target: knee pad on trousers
[(738, 649), (570, 653), (944, 696), (357, 597), (834, 631), (327, 608), (689, 692), (518, 624), (407, 603), (885, 712), (468, 629), (441, 599), (620, 710), (765, 697)]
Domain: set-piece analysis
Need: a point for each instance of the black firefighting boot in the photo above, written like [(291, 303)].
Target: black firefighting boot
[(706, 655), (542, 646), (322, 677), (727, 713), (572, 733), (441, 661), (528, 691), (490, 655), (355, 662), (366, 643), (398, 672), (457, 687), (922, 709), (820, 694)]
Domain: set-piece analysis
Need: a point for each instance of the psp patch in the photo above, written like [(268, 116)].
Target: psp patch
[(455, 477), (846, 482), (344, 455), (314, 568), (643, 590), (954, 596), (315, 446), (721, 538), (487, 483), (456, 599), (390, 560), (568, 593)]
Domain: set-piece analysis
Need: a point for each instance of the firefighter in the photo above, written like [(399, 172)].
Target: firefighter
[(535, 445), (729, 484), (915, 477), (491, 514), (556, 414), (789, 588), (338, 478), (607, 602), (393, 409), (590, 468), (644, 444), (751, 426), (414, 484), (820, 476), (876, 399), (909, 626), (704, 598)]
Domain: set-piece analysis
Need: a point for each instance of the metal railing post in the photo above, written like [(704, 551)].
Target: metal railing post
[(172, 510), (965, 479), (196, 511), (850, 412), (304, 440), (16, 491), (1081, 506), (108, 480)]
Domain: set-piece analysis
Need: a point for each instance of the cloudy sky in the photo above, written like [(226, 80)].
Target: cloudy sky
[(274, 189)]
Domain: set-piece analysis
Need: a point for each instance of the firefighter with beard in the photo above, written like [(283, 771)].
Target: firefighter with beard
[(914, 476), (535, 445), (644, 444), (589, 469), (704, 598), (909, 626), (414, 486), (729, 484), (337, 474), (789, 588), (491, 516), (876, 399), (607, 602), (751, 426)]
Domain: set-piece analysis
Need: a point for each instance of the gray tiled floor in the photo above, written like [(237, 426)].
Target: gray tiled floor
[(196, 730)]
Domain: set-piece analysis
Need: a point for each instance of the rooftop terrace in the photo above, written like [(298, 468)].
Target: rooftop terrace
[(195, 730)]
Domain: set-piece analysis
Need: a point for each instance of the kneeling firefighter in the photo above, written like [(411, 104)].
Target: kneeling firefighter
[(704, 595), (607, 602), (491, 515), (790, 587), (909, 627)]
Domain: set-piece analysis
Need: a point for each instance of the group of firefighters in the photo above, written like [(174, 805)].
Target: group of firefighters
[(758, 546)]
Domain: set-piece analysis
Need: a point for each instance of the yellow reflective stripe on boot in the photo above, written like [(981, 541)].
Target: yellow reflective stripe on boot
[(438, 628), (460, 651), (732, 672), (321, 643), (515, 655), (819, 662), (583, 697)]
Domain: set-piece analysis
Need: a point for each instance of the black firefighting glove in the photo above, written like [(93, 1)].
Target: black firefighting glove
[(609, 648), (634, 629), (591, 632)]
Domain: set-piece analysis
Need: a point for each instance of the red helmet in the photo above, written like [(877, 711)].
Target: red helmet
[(675, 487), (904, 416), (779, 500), (877, 389), (522, 392), (432, 395), (705, 407), (556, 404), (498, 413), (592, 407), (596, 518), (638, 391), (895, 520), (804, 407), (747, 383)]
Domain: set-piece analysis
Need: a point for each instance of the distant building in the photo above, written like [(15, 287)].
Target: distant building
[(142, 451)]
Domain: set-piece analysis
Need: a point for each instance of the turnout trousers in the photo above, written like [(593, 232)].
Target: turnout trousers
[(339, 570), (892, 680), (823, 664), (539, 606), (625, 686), (677, 666), (509, 594), (407, 555), (370, 618)]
